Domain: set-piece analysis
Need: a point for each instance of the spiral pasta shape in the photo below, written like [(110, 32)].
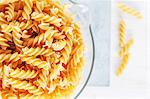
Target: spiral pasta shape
[(42, 38), (41, 50), (130, 10), (2, 18), (37, 51), (124, 50), (16, 36), (55, 72), (5, 76), (44, 26), (77, 57), (22, 74), (9, 57), (122, 33), (26, 26), (19, 84), (3, 41), (27, 9), (10, 12), (36, 62), (40, 6), (123, 65), (7, 29), (59, 45), (46, 18), (43, 81), (67, 50)]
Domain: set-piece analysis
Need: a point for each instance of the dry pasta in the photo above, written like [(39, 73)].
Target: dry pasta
[(122, 33), (122, 65), (124, 50), (129, 10), (41, 50), (22, 74), (10, 12)]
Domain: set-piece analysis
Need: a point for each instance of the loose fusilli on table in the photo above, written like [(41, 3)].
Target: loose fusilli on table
[(41, 50)]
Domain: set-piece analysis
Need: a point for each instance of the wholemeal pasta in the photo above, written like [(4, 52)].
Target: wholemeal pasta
[(41, 50)]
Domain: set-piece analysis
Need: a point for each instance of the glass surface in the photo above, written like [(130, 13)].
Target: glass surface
[(81, 13), (100, 15)]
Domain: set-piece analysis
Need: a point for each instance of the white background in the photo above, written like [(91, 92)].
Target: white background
[(133, 83)]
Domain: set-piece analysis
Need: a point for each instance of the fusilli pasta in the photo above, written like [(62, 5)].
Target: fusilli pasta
[(17, 36), (125, 48), (9, 57), (123, 65), (122, 33), (37, 51), (41, 50), (46, 18), (129, 10), (36, 62), (10, 12), (19, 84), (22, 74), (27, 9)]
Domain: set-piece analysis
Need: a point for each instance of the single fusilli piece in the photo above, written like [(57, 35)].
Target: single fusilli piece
[(59, 45), (7, 29), (27, 10), (41, 39), (44, 26), (67, 50), (130, 10), (55, 71), (17, 36), (2, 18), (43, 79), (25, 25), (5, 76), (40, 6), (10, 13), (37, 51), (9, 57), (3, 41), (76, 57), (46, 18), (22, 74), (123, 65), (19, 84), (36, 62), (124, 50), (122, 33)]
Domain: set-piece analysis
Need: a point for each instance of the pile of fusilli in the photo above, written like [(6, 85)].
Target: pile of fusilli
[(41, 50)]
